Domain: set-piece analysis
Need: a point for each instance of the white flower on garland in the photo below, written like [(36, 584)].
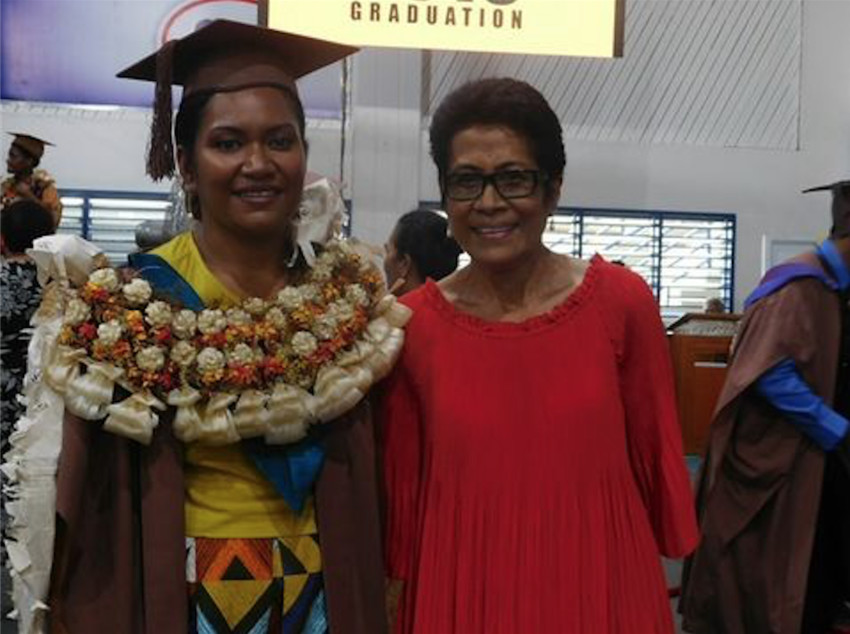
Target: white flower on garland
[(241, 354), (137, 292), (210, 360), (238, 317), (357, 295), (309, 292), (290, 298), (105, 278), (211, 322), (76, 312), (255, 306), (184, 324), (158, 314), (341, 310), (109, 333), (325, 327), (327, 257), (183, 353), (322, 271), (303, 343), (150, 359), (276, 317)]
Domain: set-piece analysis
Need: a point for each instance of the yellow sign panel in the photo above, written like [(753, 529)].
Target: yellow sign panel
[(591, 28)]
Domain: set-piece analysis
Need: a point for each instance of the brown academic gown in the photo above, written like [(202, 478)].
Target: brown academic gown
[(760, 487), (119, 565)]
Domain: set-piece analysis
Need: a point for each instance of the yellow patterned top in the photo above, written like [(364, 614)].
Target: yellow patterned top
[(226, 495)]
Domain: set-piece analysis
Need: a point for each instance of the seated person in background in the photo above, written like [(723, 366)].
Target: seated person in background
[(25, 181), (20, 223), (715, 305), (419, 248)]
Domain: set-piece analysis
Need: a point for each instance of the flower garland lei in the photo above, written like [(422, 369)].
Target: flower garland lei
[(263, 368)]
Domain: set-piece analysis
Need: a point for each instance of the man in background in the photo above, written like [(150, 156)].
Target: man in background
[(25, 182), (774, 492)]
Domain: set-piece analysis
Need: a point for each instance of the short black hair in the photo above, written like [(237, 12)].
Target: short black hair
[(423, 235), (500, 101), (22, 222)]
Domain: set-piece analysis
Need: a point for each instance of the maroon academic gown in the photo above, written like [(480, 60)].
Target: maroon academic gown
[(119, 565), (760, 487)]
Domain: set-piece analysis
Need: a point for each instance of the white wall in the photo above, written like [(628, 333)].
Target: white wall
[(105, 150)]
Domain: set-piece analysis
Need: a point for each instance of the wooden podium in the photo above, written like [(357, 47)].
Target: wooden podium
[(699, 344)]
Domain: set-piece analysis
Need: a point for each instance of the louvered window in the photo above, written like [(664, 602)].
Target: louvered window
[(697, 261), (109, 219)]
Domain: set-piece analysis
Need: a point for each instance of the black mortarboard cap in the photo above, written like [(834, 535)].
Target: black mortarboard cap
[(32, 145), (224, 56), (840, 207)]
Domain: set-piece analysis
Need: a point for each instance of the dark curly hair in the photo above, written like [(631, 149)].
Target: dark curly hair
[(22, 222), (424, 236), (500, 101)]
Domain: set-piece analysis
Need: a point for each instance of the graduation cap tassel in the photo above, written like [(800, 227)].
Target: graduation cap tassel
[(160, 162)]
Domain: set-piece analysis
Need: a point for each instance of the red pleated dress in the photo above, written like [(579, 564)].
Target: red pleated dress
[(534, 471)]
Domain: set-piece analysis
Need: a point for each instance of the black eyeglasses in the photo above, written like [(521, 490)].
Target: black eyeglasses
[(465, 186)]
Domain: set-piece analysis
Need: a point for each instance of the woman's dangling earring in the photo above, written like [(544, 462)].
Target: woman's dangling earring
[(192, 206)]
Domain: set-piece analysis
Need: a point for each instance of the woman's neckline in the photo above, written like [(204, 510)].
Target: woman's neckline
[(544, 319)]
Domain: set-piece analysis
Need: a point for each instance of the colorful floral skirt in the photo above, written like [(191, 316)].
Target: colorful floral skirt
[(255, 586)]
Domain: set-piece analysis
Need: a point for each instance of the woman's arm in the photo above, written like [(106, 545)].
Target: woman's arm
[(652, 426), (400, 451)]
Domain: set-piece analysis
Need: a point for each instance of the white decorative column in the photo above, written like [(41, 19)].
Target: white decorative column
[(385, 137)]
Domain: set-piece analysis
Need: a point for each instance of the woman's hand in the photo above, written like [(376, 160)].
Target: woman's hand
[(393, 590)]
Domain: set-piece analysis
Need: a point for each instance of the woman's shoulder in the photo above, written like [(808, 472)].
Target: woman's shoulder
[(621, 286), (625, 302), (421, 297), (181, 246)]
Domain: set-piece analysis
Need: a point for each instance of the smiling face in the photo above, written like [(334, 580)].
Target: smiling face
[(495, 231), (248, 164), (18, 161)]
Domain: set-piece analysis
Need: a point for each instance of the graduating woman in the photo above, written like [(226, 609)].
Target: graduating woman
[(217, 470)]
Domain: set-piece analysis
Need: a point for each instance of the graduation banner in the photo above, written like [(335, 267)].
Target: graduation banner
[(590, 28), (68, 51)]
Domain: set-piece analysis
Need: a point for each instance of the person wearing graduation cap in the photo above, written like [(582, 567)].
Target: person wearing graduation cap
[(25, 181), (252, 504), (774, 491)]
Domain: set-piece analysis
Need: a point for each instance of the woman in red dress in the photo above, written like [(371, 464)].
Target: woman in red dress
[(534, 469)]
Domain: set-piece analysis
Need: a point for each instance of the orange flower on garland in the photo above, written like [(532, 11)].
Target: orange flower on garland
[(251, 346)]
